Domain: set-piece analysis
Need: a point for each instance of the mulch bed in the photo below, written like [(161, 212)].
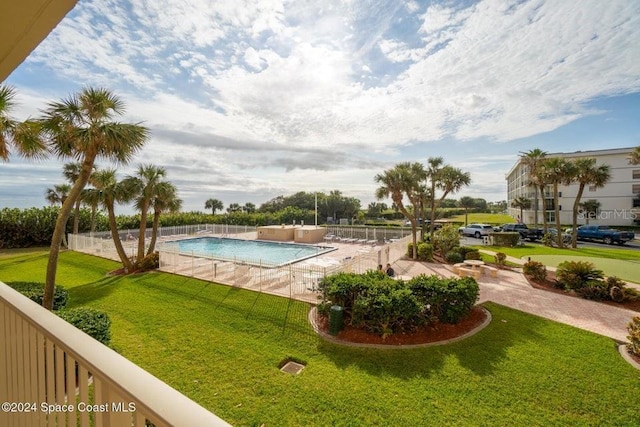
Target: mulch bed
[(426, 334), (547, 285)]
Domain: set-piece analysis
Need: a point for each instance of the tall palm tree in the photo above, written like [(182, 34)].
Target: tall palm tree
[(521, 203), (58, 194), (533, 160), (234, 207), (144, 186), (434, 166), (557, 171), (586, 173), (590, 208), (165, 199), (71, 171), (634, 156), (249, 207), (25, 137), (109, 192), (403, 180), (91, 197), (466, 203), (214, 205), (82, 127), (449, 180)]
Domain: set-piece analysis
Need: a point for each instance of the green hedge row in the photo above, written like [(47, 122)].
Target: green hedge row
[(376, 303)]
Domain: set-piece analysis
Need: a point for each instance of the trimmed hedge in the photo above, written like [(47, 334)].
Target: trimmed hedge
[(376, 303), (93, 322), (35, 292), (506, 239)]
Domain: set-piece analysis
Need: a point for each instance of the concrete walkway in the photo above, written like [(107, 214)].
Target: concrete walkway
[(512, 289)]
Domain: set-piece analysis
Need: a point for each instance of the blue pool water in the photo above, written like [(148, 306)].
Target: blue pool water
[(250, 251)]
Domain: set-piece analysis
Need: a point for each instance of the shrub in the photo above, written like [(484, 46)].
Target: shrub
[(472, 255), (425, 252), (634, 336), (35, 292), (535, 269), (575, 274), (501, 259), (453, 257), (93, 322), (505, 239), (445, 239), (616, 294), (149, 262), (449, 300), (594, 290)]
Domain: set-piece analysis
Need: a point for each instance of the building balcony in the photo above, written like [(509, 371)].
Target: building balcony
[(53, 374)]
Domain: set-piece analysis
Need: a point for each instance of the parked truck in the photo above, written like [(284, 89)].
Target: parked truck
[(526, 233), (604, 234)]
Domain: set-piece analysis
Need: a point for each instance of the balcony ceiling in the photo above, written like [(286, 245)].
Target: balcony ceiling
[(23, 25)]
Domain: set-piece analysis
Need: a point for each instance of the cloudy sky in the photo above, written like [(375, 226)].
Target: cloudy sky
[(250, 99)]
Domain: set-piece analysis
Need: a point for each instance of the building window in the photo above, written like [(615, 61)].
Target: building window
[(635, 189), (559, 193), (636, 202), (551, 216), (636, 174), (592, 188)]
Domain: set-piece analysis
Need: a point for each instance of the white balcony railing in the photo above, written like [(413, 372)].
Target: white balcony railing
[(52, 374)]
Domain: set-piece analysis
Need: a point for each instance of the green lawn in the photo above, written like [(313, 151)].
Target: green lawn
[(623, 263), (221, 346), (485, 218)]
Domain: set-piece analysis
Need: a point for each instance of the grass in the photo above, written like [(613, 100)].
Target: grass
[(484, 218), (221, 346), (623, 263)]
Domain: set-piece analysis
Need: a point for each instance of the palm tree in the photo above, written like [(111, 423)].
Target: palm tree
[(214, 205), (165, 200), (466, 203), (403, 180), (586, 173), (91, 197), (434, 166), (533, 160), (58, 194), (25, 137), (249, 207), (82, 127), (144, 187), (449, 180), (234, 207), (71, 172), (522, 203), (590, 208), (109, 192), (557, 171), (634, 156)]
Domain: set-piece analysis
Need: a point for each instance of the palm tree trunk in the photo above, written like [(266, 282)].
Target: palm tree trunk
[(113, 226), (154, 232), (143, 231), (544, 209), (557, 214), (93, 218), (535, 205), (574, 223), (60, 229), (76, 217)]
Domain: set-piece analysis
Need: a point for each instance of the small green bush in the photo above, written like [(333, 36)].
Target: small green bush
[(594, 290), (453, 257), (634, 336), (505, 239), (35, 292), (425, 251), (617, 294), (535, 269), (449, 300), (93, 322), (149, 262), (501, 259), (445, 239), (575, 274), (472, 255)]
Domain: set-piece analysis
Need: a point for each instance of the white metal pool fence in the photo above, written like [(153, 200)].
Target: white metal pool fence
[(298, 280)]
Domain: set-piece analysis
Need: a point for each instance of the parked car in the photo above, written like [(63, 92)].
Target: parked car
[(526, 233), (476, 230), (605, 234), (566, 237)]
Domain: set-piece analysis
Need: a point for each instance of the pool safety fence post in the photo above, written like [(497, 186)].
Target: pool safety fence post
[(193, 260), (260, 276)]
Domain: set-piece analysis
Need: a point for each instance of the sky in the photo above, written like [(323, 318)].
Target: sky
[(246, 100)]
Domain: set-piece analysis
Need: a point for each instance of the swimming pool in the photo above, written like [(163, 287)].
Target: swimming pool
[(258, 252)]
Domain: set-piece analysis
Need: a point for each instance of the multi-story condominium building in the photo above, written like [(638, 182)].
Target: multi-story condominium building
[(619, 199)]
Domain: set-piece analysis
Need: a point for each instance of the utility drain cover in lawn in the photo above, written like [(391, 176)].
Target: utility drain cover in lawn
[(292, 368)]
